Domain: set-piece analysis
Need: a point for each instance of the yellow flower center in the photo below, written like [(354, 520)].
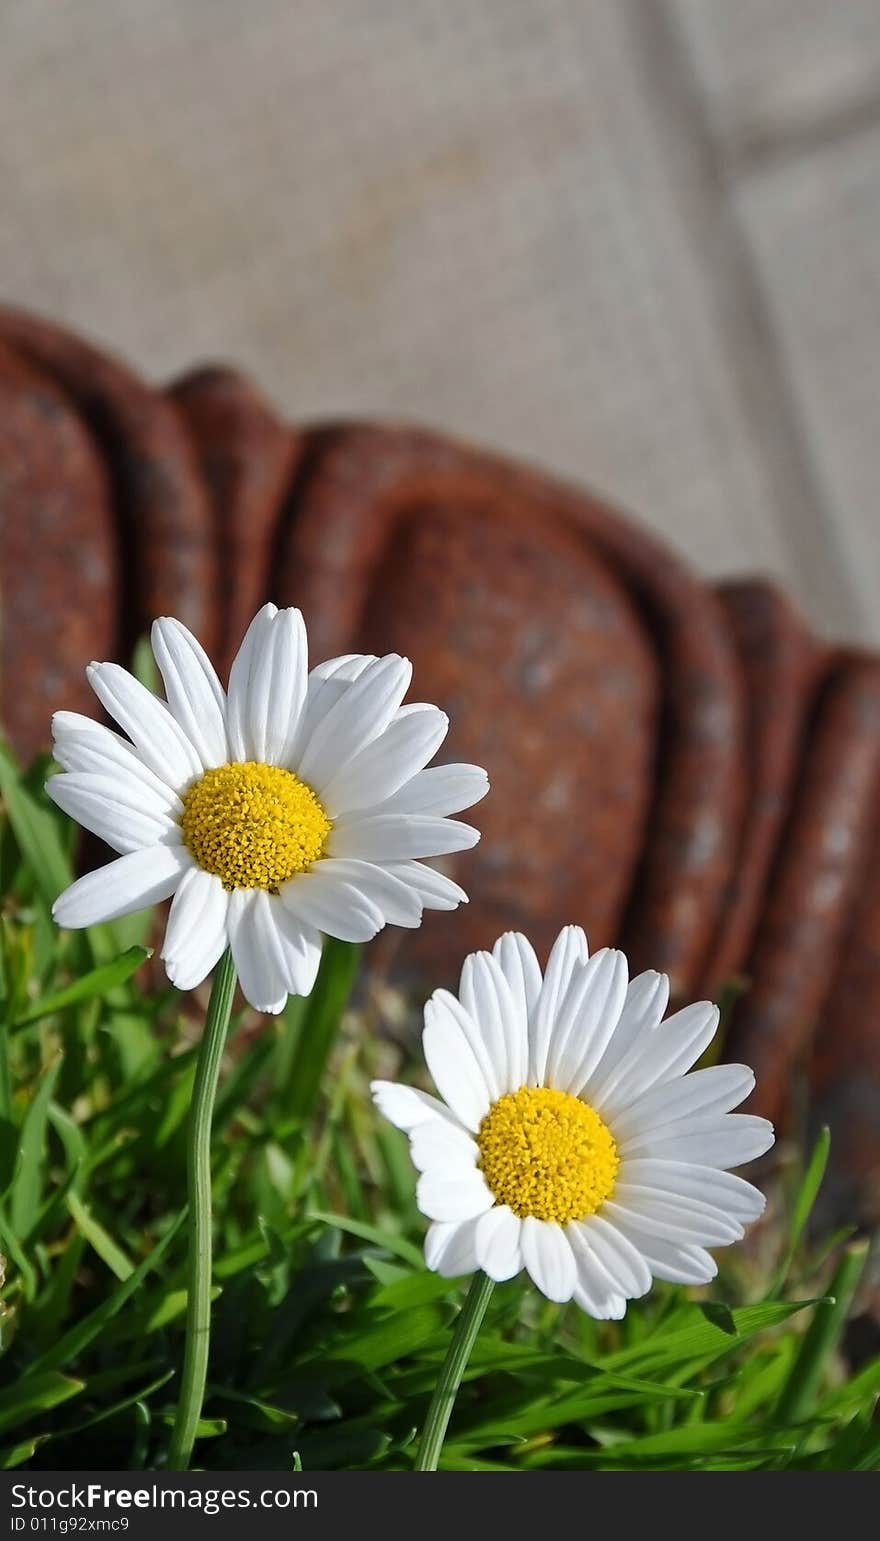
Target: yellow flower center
[(547, 1154), (253, 825)]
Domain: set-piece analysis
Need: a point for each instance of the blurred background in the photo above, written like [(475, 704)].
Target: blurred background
[(634, 240)]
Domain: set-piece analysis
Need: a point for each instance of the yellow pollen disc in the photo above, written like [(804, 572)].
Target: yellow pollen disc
[(253, 825), (547, 1154)]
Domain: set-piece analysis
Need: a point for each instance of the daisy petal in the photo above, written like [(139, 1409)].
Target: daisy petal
[(299, 948), (259, 973), (515, 956), (382, 767), (714, 1090), (435, 891), (441, 790), (485, 996), (444, 1006), (586, 1019), (405, 1106), (662, 1055), (548, 1258), (192, 689), (569, 949), (454, 1068), (152, 728), (398, 837), (119, 810), (397, 901), (622, 1261), (680, 1220), (121, 887), (243, 680), (499, 1253), (359, 716), (331, 906), (326, 685), (679, 1263), (440, 1145), (670, 1179), (449, 1248), (595, 1291), (647, 997), (83, 745), (196, 935), (731, 1139), (453, 1196)]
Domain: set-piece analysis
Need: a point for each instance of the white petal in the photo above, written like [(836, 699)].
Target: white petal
[(515, 956), (154, 731), (662, 1055), (647, 997), (586, 1019), (258, 971), (83, 745), (389, 837), (360, 715), (714, 1090), (405, 1106), (118, 810), (454, 1068), (610, 1308), (267, 687), (679, 1263), (569, 949), (622, 1261), (192, 689), (331, 906), (449, 1248), (548, 1258), (453, 1196), (298, 948), (196, 934), (444, 1008), (499, 1253), (441, 790), (730, 1139), (373, 775), (670, 1179), (131, 883), (397, 901), (327, 684), (595, 1291), (708, 1225), (438, 1145), (682, 1220), (485, 996), (434, 890), (242, 679)]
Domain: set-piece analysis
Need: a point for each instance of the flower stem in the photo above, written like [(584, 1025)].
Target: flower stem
[(198, 1289), (442, 1402)]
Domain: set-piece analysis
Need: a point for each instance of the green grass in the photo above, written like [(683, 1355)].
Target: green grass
[(328, 1332)]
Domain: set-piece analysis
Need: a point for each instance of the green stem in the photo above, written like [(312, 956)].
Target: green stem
[(821, 1338), (198, 1289), (442, 1402)]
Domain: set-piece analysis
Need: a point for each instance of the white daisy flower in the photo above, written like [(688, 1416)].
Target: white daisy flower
[(570, 1140), (292, 805)]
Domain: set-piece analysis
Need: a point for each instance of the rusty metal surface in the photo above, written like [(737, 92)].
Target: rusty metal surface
[(169, 559), (59, 554), (362, 482), (247, 458), (815, 884), (686, 771), (780, 664)]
